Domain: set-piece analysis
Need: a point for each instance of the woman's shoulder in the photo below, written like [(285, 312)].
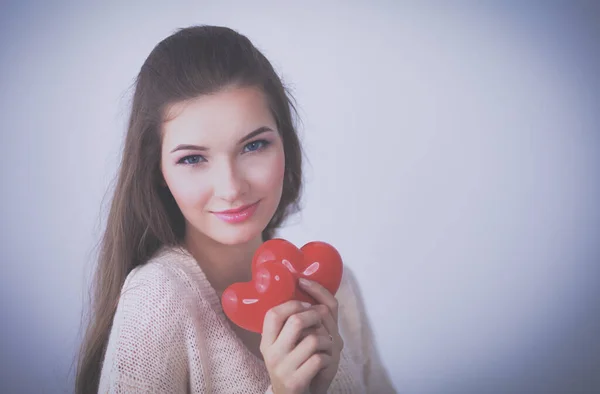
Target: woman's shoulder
[(164, 275)]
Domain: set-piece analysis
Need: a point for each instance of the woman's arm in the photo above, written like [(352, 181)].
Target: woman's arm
[(147, 347)]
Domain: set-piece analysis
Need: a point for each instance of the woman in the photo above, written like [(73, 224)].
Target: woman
[(211, 167)]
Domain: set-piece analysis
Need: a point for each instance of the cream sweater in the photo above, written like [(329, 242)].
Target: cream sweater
[(170, 335)]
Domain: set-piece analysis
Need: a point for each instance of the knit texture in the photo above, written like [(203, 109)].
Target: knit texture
[(170, 335)]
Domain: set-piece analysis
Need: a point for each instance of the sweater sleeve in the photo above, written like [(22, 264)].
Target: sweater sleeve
[(375, 375), (147, 346)]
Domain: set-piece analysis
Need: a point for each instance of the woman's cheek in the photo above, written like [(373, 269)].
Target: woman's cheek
[(275, 166), (267, 173), (189, 192)]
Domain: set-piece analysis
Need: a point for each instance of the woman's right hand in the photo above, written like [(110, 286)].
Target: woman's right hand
[(293, 347)]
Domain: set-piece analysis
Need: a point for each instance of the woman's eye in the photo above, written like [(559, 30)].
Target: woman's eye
[(256, 145), (191, 159)]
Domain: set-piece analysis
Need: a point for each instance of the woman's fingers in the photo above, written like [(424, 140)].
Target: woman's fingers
[(313, 365), (308, 347), (321, 294), (330, 325), (293, 328), (318, 330), (299, 341), (276, 317)]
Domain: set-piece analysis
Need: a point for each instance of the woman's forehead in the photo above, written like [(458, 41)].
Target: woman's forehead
[(227, 115)]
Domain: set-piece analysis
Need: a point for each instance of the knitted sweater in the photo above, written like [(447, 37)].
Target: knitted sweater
[(170, 335)]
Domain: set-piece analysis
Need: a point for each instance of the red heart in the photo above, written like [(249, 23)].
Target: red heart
[(317, 261), (246, 303), (276, 267)]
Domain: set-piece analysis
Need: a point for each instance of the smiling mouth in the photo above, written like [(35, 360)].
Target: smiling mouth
[(237, 215), (236, 210)]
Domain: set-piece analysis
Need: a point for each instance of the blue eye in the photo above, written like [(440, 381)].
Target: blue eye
[(191, 159), (256, 145)]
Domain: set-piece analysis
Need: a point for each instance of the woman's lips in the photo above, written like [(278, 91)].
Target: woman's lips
[(237, 215)]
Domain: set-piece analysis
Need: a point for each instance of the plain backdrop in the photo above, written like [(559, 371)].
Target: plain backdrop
[(452, 156)]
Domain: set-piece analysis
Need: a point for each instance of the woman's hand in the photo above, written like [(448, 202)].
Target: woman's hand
[(301, 344), (291, 348), (328, 310)]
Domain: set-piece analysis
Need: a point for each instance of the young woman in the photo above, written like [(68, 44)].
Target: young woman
[(210, 169)]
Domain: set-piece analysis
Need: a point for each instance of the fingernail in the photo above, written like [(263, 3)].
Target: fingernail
[(306, 304), (304, 282)]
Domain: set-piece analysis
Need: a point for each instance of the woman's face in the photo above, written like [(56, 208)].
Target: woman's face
[(222, 152)]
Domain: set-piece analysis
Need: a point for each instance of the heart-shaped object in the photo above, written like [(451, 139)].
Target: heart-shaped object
[(246, 303), (276, 267), (317, 261)]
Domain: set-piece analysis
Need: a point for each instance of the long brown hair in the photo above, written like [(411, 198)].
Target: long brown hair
[(143, 215)]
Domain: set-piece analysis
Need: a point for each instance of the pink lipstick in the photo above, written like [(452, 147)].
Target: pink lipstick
[(237, 215)]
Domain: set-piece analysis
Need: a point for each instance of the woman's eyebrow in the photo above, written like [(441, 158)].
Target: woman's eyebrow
[(260, 130)]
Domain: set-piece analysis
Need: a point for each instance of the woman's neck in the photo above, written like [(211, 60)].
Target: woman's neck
[(222, 264)]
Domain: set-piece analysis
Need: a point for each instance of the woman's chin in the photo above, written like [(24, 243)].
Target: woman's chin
[(237, 235)]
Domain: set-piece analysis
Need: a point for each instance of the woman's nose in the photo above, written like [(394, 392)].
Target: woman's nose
[(229, 182)]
